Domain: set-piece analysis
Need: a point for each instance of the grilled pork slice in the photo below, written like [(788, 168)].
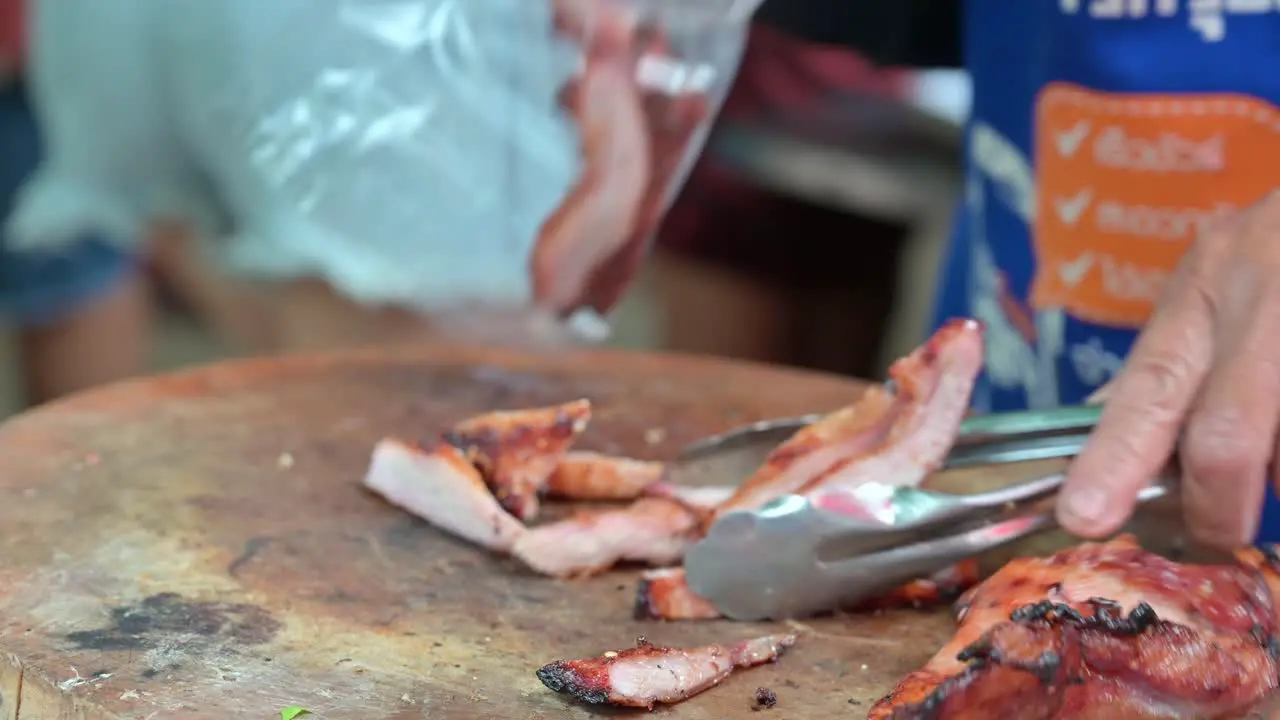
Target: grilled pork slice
[(847, 432), (647, 675), (892, 435), (895, 438), (932, 386), (1104, 630), (518, 450), (664, 594), (702, 499), (581, 475), (440, 486), (944, 587), (655, 531)]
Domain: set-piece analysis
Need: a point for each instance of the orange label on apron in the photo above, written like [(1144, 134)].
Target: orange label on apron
[(1125, 183)]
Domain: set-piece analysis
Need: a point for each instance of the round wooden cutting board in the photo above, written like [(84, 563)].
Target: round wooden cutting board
[(198, 546)]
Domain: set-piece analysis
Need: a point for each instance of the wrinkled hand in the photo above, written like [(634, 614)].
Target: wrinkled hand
[(1203, 380)]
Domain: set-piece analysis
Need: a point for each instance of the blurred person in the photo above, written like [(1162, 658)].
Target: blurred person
[(419, 171), (238, 313), (81, 313), (1121, 229)]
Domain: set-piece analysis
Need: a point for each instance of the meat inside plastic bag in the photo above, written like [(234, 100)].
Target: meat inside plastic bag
[(438, 155)]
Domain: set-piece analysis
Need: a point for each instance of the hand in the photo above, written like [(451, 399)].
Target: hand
[(1203, 379)]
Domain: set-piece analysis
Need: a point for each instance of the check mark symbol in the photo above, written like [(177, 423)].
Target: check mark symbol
[(1070, 140), (1070, 209), (1073, 271)]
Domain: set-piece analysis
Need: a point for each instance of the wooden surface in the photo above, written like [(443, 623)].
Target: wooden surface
[(198, 546)]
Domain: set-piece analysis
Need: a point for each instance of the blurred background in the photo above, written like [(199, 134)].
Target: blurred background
[(810, 232)]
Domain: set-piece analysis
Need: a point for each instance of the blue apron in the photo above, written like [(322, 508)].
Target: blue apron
[(1104, 133)]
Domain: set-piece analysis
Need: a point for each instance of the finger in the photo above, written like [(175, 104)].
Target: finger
[(1231, 431), (1142, 417)]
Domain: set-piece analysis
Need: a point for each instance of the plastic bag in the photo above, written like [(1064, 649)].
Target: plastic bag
[(432, 154)]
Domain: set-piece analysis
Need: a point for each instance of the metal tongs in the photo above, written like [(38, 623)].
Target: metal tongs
[(800, 555)]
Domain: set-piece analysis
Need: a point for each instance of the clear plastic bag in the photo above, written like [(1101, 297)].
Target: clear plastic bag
[(433, 154)]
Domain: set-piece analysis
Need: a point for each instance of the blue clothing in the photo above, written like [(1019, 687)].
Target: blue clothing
[(43, 288), (1087, 116)]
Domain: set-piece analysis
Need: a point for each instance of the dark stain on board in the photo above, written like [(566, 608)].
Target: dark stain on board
[(143, 625)]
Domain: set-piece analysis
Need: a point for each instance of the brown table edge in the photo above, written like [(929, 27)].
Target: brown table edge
[(233, 373)]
